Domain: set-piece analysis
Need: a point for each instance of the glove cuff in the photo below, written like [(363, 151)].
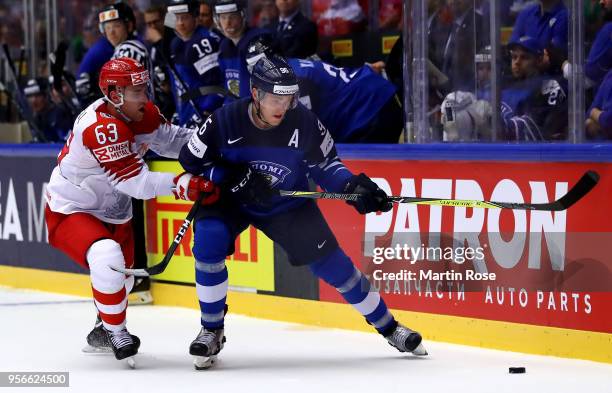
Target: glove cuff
[(182, 185)]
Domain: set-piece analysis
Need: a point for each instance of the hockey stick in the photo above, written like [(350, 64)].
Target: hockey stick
[(580, 189), (179, 80), (161, 266), (19, 98), (57, 61)]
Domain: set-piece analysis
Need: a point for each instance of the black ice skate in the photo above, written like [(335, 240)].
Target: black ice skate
[(406, 340), (205, 348), (124, 345), (97, 340)]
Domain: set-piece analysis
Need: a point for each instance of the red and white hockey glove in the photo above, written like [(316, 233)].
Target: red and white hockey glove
[(189, 187)]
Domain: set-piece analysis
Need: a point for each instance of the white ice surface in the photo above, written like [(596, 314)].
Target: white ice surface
[(45, 332)]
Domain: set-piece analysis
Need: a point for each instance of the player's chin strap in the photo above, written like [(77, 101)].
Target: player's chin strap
[(257, 106), (118, 106)]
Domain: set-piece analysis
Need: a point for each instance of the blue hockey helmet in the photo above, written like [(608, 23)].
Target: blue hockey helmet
[(274, 75), (228, 6), (184, 6)]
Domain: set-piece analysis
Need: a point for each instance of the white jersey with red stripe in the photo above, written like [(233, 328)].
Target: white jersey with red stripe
[(101, 166)]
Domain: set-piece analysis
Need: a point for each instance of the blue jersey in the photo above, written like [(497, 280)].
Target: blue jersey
[(550, 28), (287, 155), (535, 109), (100, 52), (599, 61), (346, 100), (197, 63), (55, 123), (232, 59), (603, 102)]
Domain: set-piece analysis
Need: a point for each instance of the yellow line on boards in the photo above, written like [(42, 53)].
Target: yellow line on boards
[(514, 337)]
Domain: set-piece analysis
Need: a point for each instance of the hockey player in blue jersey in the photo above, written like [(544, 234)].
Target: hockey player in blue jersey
[(86, 84), (599, 60), (253, 147), (533, 105), (195, 55), (230, 18), (356, 105)]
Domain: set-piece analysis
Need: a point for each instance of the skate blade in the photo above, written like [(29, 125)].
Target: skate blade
[(420, 351), (103, 350), (140, 298), (131, 362), (204, 362)]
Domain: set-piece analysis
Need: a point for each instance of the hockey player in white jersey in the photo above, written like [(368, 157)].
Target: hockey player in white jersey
[(99, 169), (118, 24)]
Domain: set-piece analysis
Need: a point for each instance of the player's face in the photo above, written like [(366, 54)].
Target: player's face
[(185, 25), (524, 64), (273, 107), (231, 25), (205, 17), (287, 7), (154, 20), (115, 31), (37, 102), (606, 4), (483, 72), (134, 100)]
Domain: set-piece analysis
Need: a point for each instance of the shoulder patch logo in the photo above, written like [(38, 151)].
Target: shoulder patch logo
[(273, 172)]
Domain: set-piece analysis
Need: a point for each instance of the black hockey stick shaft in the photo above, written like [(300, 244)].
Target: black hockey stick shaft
[(20, 100), (161, 266), (580, 189), (20, 71), (184, 86), (57, 60)]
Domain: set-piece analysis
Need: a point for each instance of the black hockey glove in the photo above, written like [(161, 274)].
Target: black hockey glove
[(372, 198), (248, 186)]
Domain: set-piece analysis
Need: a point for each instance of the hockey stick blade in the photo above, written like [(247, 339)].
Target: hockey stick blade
[(580, 189), (161, 266)]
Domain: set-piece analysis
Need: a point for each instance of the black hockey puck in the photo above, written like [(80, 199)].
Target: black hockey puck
[(516, 370)]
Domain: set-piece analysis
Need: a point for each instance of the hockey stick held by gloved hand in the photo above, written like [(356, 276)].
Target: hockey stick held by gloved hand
[(161, 266), (580, 189)]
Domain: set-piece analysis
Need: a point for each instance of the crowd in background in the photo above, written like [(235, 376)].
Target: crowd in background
[(534, 65)]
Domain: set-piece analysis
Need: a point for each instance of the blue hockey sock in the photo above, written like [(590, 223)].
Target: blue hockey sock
[(337, 270), (210, 248)]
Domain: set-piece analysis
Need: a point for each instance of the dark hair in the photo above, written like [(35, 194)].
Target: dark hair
[(159, 9)]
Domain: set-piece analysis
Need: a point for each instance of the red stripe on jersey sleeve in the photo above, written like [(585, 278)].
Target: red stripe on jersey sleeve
[(125, 168)]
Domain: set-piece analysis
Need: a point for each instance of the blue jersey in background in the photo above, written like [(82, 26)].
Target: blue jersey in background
[(232, 60), (197, 63), (346, 100)]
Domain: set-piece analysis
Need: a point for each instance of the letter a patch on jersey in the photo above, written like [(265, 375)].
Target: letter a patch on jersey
[(294, 138), (112, 152)]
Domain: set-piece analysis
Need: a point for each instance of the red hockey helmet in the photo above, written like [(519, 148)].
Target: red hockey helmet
[(122, 72)]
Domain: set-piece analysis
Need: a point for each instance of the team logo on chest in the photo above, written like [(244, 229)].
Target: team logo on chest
[(274, 173)]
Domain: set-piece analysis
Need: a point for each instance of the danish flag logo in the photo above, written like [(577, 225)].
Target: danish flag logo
[(139, 78)]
